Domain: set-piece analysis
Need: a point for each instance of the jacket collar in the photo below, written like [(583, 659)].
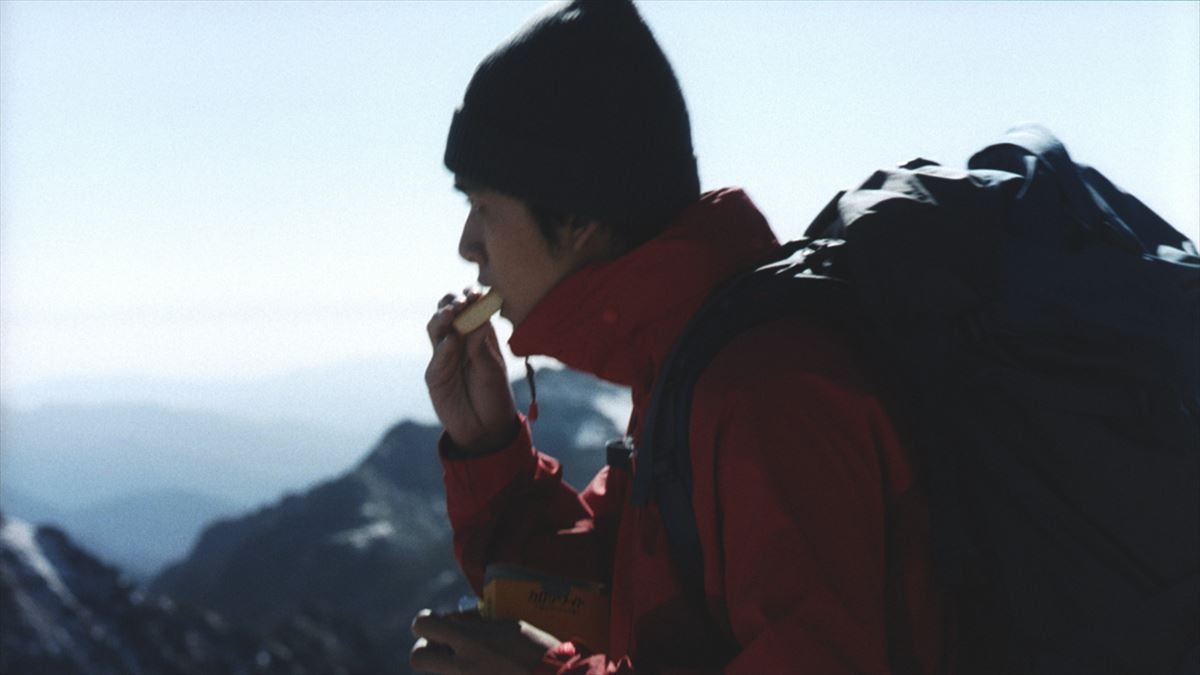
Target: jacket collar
[(618, 319)]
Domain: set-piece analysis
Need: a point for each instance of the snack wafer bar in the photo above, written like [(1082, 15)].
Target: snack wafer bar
[(478, 312)]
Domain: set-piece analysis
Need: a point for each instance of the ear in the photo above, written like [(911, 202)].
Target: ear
[(591, 237)]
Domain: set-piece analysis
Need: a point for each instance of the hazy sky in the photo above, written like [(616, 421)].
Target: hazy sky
[(225, 189)]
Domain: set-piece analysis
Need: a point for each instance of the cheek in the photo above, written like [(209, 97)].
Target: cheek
[(529, 271), (520, 250)]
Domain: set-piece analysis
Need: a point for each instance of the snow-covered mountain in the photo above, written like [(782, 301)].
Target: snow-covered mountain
[(65, 612)]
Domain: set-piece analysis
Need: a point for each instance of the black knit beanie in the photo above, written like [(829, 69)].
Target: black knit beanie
[(580, 113)]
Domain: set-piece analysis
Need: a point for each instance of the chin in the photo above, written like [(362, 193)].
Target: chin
[(508, 315)]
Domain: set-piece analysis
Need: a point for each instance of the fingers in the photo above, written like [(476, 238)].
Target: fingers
[(457, 628), (483, 342), (435, 628), (465, 642), (432, 652), (469, 294), (431, 657), (449, 307), (442, 322)]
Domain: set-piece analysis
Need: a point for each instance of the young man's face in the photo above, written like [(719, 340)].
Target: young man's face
[(501, 236)]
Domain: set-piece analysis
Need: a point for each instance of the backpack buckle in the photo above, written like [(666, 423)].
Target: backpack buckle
[(620, 453)]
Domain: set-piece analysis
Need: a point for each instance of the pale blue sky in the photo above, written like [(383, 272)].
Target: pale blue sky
[(226, 189)]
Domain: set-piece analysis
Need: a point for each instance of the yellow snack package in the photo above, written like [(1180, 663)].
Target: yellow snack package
[(562, 607)]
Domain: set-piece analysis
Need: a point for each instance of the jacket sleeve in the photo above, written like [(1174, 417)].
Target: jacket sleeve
[(512, 506), (795, 536)]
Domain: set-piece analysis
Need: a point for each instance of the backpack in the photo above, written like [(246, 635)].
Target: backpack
[(1044, 329)]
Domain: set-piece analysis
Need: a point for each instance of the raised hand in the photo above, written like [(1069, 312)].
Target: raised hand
[(468, 381)]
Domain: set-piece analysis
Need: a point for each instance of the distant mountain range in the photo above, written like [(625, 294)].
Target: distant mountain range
[(136, 482), (357, 398), (75, 456)]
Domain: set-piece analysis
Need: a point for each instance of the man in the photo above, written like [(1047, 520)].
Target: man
[(573, 147)]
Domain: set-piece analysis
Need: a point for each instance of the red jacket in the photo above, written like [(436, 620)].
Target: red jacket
[(815, 540)]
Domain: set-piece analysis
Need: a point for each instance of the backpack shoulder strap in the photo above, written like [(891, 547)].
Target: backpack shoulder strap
[(803, 276)]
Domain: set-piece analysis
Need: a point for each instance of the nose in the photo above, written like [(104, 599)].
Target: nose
[(470, 243)]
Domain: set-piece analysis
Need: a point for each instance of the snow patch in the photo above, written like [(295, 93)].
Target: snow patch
[(617, 407), (592, 435), (42, 598), (373, 510), (362, 537), (22, 538)]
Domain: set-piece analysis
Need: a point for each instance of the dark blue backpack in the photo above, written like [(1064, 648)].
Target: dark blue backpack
[(1043, 328)]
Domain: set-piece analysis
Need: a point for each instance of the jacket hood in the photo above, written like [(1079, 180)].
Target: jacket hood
[(618, 319)]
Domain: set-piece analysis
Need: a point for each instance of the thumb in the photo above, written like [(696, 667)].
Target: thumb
[(484, 343)]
